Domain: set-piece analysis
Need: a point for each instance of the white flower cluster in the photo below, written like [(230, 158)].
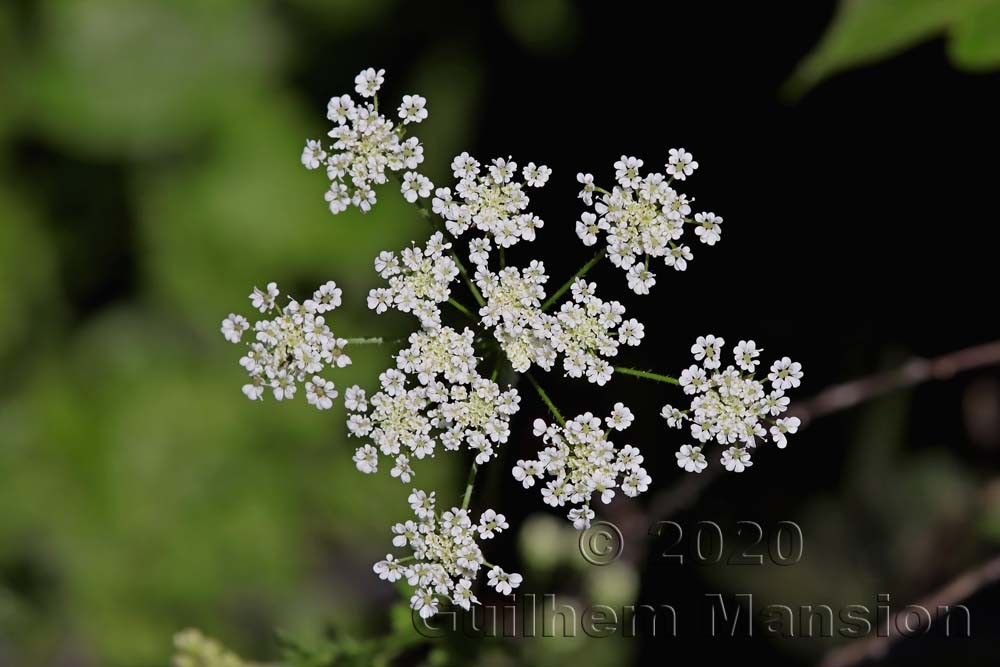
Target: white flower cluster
[(446, 556), (449, 403), (582, 461), (588, 329), (365, 144), (433, 393), (293, 345), (419, 280), (644, 217), (492, 201), (730, 406), (514, 310)]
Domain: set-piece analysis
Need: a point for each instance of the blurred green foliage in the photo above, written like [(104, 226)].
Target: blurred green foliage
[(866, 31), (141, 491)]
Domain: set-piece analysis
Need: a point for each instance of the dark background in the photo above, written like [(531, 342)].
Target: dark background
[(857, 234)]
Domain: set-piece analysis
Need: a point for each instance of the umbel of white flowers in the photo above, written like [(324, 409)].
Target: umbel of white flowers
[(294, 344), (581, 461), (445, 556), (645, 216), (433, 395), (730, 406), (434, 399)]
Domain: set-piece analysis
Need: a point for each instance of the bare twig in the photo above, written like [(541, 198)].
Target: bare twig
[(958, 589), (915, 371)]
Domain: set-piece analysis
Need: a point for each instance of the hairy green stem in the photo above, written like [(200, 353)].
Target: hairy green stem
[(646, 375), (579, 274), (545, 399), (467, 498)]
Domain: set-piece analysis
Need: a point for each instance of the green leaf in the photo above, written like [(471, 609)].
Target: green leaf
[(975, 40), (866, 31)]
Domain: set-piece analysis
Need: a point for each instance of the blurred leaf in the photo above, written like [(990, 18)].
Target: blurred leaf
[(117, 76), (540, 25), (866, 31), (135, 446), (975, 42), (28, 283), (249, 213), (9, 59)]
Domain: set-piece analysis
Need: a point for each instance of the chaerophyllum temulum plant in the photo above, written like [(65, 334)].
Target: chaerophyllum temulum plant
[(441, 393)]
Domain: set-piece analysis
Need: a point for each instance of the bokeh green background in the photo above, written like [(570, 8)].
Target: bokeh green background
[(149, 153), (151, 177)]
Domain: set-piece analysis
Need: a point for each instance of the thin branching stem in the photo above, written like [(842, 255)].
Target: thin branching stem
[(579, 274), (646, 375), (462, 309), (545, 399), (471, 482)]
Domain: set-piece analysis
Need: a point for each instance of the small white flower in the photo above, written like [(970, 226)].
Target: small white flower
[(691, 459), (781, 428), (413, 109), (674, 417), (388, 569), (402, 469), (678, 257), (587, 228), (320, 392), (369, 81), (581, 517), (366, 459), (736, 459), (233, 327), (680, 164), (354, 399), (264, 301), (415, 185), (631, 332), (327, 297), (491, 523), (587, 193), (621, 418), (534, 176), (503, 582), (708, 350), (709, 227), (254, 390), (640, 279), (627, 172), (425, 602), (785, 374), (692, 379), (421, 503), (313, 154), (746, 353)]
